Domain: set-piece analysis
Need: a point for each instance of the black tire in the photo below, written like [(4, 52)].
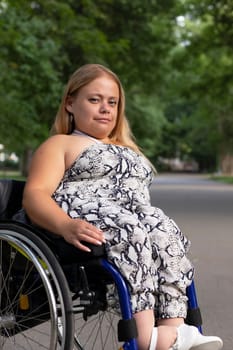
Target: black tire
[(35, 302)]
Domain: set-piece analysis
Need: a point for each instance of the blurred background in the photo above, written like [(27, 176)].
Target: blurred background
[(174, 58)]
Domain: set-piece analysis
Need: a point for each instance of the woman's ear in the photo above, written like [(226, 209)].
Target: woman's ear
[(69, 103)]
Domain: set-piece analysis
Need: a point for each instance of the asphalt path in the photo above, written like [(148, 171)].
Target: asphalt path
[(203, 209)]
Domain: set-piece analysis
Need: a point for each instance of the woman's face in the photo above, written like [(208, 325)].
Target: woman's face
[(95, 107)]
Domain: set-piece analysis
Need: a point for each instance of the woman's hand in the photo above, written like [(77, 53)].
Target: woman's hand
[(77, 231)]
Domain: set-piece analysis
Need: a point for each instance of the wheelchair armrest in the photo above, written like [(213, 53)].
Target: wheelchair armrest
[(11, 192), (67, 253)]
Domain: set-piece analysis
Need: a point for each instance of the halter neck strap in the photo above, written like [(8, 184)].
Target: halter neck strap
[(77, 132)]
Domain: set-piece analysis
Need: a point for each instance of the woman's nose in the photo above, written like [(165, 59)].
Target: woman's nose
[(104, 108)]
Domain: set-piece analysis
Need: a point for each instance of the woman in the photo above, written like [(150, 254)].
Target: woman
[(90, 184)]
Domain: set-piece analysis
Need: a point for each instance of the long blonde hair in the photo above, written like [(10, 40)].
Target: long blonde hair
[(121, 134)]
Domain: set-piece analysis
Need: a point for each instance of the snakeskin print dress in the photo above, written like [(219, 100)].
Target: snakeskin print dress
[(108, 186)]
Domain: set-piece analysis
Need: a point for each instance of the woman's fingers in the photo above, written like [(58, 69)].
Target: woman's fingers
[(89, 230), (81, 232)]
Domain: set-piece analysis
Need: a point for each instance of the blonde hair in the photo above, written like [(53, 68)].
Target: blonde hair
[(121, 134)]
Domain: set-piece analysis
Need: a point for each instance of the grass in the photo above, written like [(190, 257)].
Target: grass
[(224, 179), (11, 174)]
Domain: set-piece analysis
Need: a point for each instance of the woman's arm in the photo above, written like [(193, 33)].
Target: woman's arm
[(46, 171)]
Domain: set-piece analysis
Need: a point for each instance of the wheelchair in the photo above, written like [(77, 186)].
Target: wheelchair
[(53, 296)]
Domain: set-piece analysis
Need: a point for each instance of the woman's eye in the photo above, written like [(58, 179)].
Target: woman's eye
[(113, 102), (94, 100)]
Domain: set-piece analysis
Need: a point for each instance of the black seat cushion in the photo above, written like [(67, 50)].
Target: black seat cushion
[(11, 193)]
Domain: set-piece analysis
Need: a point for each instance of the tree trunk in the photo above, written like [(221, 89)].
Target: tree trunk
[(25, 161), (226, 164)]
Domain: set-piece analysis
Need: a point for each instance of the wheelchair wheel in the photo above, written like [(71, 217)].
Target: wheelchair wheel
[(102, 309), (97, 331), (35, 301)]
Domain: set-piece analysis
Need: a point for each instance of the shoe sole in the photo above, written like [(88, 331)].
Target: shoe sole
[(214, 345)]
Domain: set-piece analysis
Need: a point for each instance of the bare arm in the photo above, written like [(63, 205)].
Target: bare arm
[(46, 171)]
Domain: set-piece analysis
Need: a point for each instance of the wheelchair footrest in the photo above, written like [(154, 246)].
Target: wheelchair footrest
[(194, 317), (127, 330)]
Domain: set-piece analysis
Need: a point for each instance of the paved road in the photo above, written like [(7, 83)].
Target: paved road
[(204, 211)]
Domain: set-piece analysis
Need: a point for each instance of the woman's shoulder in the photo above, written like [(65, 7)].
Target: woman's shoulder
[(69, 146), (54, 143), (58, 139)]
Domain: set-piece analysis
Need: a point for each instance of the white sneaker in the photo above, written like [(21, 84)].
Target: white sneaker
[(189, 338)]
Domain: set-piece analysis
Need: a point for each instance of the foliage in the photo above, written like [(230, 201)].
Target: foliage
[(203, 66), (30, 80), (45, 41), (174, 59)]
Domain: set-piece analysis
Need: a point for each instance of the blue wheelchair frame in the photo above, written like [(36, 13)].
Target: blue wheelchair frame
[(126, 310)]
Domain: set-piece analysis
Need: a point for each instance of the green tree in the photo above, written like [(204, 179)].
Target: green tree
[(203, 69), (29, 81), (44, 41)]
